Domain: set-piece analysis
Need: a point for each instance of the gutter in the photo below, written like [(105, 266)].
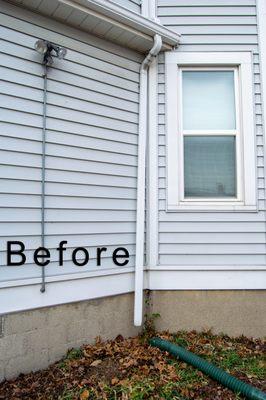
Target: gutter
[(141, 183)]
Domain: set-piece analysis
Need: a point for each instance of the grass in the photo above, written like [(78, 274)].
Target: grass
[(70, 394), (74, 354)]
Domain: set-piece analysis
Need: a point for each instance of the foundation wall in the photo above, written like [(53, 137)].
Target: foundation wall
[(234, 312), (32, 340)]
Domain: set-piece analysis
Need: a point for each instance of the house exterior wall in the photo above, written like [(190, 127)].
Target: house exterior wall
[(212, 238), (91, 150), (132, 5), (92, 138)]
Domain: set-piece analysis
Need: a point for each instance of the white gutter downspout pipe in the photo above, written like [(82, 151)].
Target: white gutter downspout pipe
[(142, 141)]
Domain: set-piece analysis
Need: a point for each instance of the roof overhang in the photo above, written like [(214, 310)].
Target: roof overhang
[(122, 26)]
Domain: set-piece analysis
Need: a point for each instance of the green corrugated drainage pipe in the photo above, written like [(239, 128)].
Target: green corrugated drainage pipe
[(209, 369)]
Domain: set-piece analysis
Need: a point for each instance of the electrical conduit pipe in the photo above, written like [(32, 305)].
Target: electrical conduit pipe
[(142, 141), (209, 369)]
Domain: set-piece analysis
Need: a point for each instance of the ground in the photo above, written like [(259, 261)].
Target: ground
[(131, 369)]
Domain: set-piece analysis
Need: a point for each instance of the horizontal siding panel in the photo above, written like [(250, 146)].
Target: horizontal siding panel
[(29, 66), (68, 256), (22, 201), (64, 164), (212, 248), (176, 21), (79, 70), (67, 114), (67, 151), (222, 47), (261, 183), (61, 215), (31, 73), (60, 100), (62, 228), (204, 3), (53, 269), (65, 189), (12, 83), (90, 166), (219, 39), (100, 137), (205, 10), (208, 30), (100, 142), (34, 133), (55, 123), (95, 240), (211, 238), (34, 174), (213, 259), (132, 5), (203, 226)]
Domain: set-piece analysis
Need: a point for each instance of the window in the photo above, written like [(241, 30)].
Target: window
[(209, 129), (210, 132)]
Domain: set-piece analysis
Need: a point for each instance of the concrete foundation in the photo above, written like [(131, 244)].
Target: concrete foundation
[(32, 340), (234, 312)]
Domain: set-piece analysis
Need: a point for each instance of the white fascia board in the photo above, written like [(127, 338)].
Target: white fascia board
[(28, 297), (207, 280), (125, 19)]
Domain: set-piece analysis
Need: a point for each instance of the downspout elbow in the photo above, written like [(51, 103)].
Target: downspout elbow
[(154, 51)]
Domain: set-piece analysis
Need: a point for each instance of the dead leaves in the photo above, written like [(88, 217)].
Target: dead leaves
[(84, 395), (126, 369), (96, 363), (115, 381)]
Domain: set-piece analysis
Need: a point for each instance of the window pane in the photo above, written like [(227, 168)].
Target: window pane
[(208, 100), (209, 166)]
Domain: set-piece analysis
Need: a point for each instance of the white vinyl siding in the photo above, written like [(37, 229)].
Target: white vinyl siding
[(132, 5), (212, 238), (91, 150)]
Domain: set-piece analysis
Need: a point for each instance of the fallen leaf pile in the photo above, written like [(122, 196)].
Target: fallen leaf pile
[(129, 369)]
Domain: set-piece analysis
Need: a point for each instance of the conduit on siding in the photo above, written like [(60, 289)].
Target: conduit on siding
[(142, 141), (43, 169)]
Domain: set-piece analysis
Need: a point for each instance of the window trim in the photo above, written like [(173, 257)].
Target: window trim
[(246, 158)]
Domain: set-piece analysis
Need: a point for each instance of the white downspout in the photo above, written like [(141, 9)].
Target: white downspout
[(140, 218)]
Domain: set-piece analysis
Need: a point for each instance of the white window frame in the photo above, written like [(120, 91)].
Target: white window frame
[(241, 63)]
